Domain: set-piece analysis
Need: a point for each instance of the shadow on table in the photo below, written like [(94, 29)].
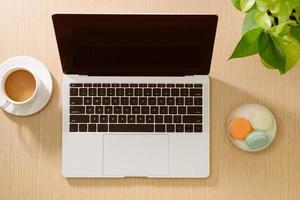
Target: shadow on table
[(42, 128)]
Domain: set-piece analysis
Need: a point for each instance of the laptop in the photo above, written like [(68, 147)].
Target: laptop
[(135, 94)]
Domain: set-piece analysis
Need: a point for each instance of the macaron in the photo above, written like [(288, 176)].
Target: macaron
[(261, 120), (257, 139), (239, 128)]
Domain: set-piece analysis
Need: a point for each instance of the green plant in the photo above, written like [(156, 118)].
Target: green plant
[(271, 28)]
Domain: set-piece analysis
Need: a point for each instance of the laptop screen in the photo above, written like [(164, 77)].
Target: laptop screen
[(135, 45)]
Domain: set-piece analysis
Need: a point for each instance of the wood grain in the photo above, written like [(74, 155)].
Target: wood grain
[(30, 147)]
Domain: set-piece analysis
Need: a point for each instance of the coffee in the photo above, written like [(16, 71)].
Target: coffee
[(20, 85)]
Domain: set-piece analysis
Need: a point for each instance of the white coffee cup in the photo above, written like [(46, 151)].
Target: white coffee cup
[(6, 100)]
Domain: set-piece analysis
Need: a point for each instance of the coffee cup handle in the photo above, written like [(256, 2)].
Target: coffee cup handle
[(4, 103)]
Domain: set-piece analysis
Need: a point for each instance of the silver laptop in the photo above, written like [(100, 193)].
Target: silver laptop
[(135, 94)]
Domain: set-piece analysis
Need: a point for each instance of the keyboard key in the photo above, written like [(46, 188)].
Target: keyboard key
[(99, 110), (197, 85), (145, 110), (88, 85), (124, 101), (157, 92), (188, 85), (138, 92), (163, 110), (170, 85), (73, 91), (158, 119), (161, 85), (181, 110), (133, 85), (79, 119), (179, 101), (140, 119), (151, 101), (113, 118), (179, 127), (166, 92), (111, 92), (73, 127), (152, 85), (94, 119), (87, 100), (147, 92), (188, 101), (106, 84), (188, 128), (170, 101), (92, 127), (175, 92), (194, 110), (133, 101), (128, 92), (184, 92), (143, 101), (102, 127), (179, 85), (198, 128), (192, 119), (131, 127), (154, 110), (122, 119), (115, 85), (76, 101), (136, 110), (77, 110), (103, 119), (170, 128), (177, 119), (76, 85), (97, 85), (117, 110), (168, 118), (120, 92), (130, 118), (92, 91), (106, 101), (161, 101), (142, 85), (108, 109), (97, 101), (83, 92), (149, 119), (126, 110), (197, 101), (172, 110), (195, 92), (160, 128), (124, 85), (82, 127), (89, 109), (101, 92), (115, 101)]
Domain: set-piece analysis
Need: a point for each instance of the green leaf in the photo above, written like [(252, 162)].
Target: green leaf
[(248, 45), (266, 64), (264, 20), (295, 30), (237, 4), (291, 47), (273, 54), (246, 5), (249, 21)]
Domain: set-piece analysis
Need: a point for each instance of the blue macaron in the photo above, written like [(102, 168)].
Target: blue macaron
[(257, 139)]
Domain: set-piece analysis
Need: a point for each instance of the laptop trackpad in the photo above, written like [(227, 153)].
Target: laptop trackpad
[(136, 155)]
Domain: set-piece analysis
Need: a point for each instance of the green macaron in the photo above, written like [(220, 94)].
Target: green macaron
[(257, 139)]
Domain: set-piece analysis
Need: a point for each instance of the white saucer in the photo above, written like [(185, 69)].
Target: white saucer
[(247, 111), (46, 85)]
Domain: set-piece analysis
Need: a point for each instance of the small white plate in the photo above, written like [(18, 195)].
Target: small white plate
[(247, 111), (46, 85)]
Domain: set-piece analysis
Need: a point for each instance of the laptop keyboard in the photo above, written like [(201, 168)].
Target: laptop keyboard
[(106, 107)]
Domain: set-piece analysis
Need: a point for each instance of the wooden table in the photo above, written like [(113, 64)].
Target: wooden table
[(30, 147)]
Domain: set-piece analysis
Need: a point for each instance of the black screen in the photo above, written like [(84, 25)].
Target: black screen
[(143, 45)]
